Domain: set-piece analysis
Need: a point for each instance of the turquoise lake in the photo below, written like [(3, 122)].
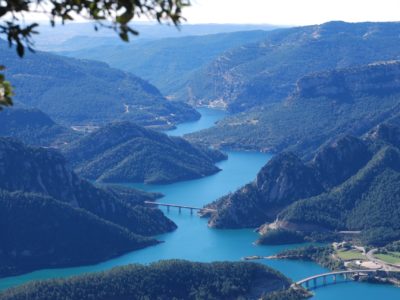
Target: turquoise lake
[(193, 240)]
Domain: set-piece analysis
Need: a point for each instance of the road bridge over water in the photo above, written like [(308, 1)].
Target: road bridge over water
[(180, 207), (333, 275)]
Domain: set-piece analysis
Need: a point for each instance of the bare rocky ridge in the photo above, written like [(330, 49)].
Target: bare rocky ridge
[(351, 184)]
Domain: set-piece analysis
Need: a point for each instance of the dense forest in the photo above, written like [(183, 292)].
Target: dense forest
[(322, 107), (173, 279), (36, 226), (350, 184), (126, 152), (38, 231), (266, 71), (88, 92), (33, 127), (178, 57)]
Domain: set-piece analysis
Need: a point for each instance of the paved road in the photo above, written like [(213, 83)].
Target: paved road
[(385, 266)]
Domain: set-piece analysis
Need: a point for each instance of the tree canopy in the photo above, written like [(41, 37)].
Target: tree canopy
[(113, 14)]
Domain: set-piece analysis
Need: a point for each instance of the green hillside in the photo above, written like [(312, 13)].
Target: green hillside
[(177, 57), (322, 107), (40, 232), (173, 279), (80, 92), (125, 152), (267, 71)]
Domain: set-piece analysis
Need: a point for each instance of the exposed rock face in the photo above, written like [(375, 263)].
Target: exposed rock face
[(321, 108), (385, 133), (125, 152), (345, 84), (266, 71), (44, 171), (283, 180), (368, 200), (350, 184), (286, 178), (338, 161)]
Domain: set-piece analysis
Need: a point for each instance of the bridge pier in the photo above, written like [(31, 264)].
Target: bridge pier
[(324, 280), (167, 208), (180, 209), (334, 278), (315, 282), (307, 285), (191, 211)]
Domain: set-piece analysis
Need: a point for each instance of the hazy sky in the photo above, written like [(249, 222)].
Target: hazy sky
[(291, 12)]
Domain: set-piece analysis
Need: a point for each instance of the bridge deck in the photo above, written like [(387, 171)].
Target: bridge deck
[(177, 205), (334, 273)]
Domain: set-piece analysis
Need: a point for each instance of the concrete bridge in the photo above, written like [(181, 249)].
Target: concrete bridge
[(346, 273), (180, 207)]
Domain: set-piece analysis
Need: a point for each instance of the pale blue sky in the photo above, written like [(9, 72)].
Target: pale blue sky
[(291, 12)]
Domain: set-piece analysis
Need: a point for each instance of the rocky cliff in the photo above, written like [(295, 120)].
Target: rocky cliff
[(350, 184)]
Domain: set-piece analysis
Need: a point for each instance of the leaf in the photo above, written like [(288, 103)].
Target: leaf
[(20, 49)]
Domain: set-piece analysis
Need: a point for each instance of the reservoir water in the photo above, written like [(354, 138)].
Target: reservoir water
[(193, 240)]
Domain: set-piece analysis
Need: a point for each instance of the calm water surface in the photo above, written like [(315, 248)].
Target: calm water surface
[(193, 240)]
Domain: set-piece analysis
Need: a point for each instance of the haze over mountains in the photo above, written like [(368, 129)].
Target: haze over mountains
[(267, 71), (323, 99), (322, 106), (178, 57), (76, 92)]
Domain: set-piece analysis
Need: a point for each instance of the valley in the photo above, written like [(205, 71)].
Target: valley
[(287, 142), (194, 241)]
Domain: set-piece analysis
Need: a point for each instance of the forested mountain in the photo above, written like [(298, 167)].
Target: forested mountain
[(73, 91), (37, 232), (33, 127), (351, 184), (44, 171), (267, 71), (78, 36), (321, 107), (174, 279), (49, 197), (177, 57), (125, 152)]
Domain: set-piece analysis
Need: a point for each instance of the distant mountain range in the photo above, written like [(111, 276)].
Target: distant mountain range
[(178, 57), (351, 184), (40, 197), (267, 71), (322, 107), (125, 152), (81, 92), (77, 36)]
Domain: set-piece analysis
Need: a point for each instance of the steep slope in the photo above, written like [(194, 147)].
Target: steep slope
[(73, 91), (45, 172), (322, 107), (177, 57), (283, 180), (268, 70), (368, 201), (173, 279), (125, 152), (351, 184), (39, 232), (34, 127)]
